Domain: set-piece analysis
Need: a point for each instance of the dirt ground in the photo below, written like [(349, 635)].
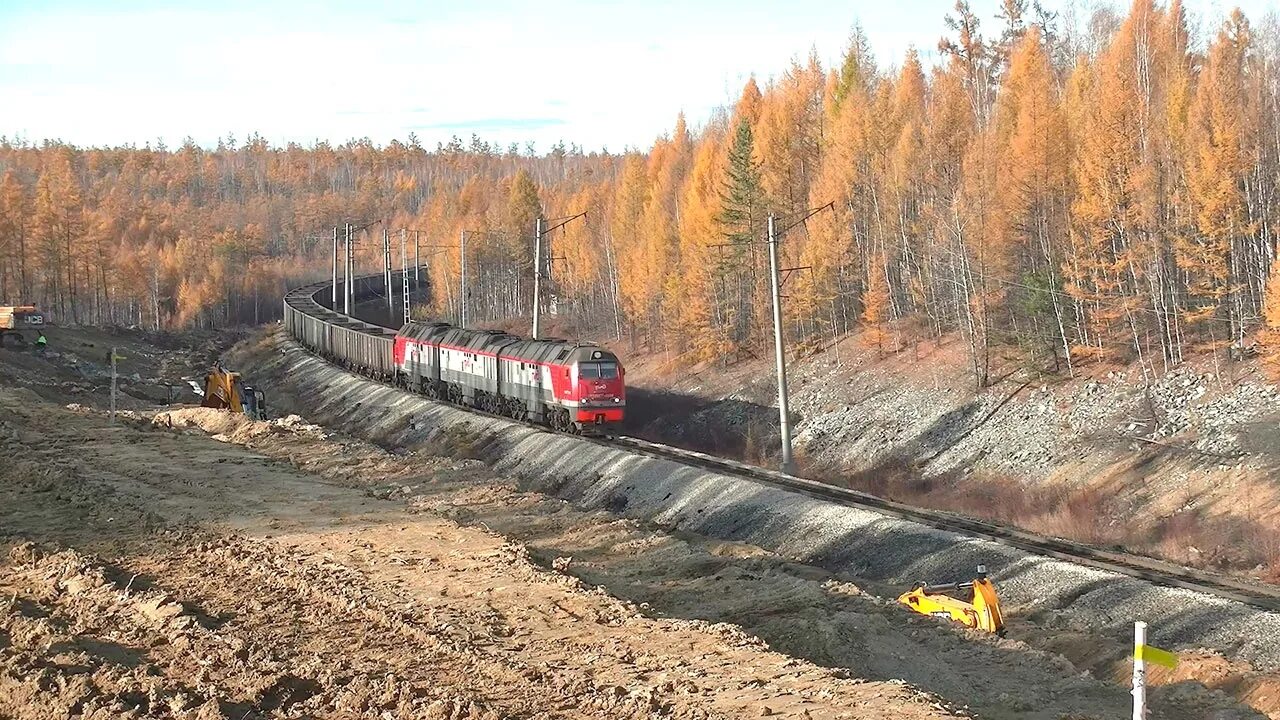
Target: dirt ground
[(187, 563), (152, 571), (151, 368)]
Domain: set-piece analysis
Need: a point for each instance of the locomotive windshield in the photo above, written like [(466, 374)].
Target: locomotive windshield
[(606, 370)]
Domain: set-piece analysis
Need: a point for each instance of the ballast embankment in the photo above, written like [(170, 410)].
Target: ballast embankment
[(838, 538)]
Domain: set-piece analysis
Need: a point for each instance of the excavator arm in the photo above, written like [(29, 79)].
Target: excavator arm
[(224, 390), (221, 390), (973, 604)]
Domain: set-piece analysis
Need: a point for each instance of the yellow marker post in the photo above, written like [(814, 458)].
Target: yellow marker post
[(1142, 654), (1153, 654)]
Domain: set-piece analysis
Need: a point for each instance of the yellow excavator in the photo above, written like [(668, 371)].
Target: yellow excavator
[(973, 604), (224, 390), (21, 322)]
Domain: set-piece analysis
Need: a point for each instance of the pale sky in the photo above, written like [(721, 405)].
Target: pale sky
[(599, 74)]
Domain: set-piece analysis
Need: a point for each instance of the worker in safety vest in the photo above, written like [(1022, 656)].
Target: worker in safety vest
[(41, 343)]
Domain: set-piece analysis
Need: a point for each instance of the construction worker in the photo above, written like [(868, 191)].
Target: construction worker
[(42, 342)]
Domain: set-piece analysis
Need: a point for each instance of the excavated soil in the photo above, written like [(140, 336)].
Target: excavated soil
[(156, 569)]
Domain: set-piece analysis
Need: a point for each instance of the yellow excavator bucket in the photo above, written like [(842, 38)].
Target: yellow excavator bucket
[(978, 606), (224, 390)]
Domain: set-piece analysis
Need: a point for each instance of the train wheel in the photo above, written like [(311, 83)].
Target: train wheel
[(560, 421)]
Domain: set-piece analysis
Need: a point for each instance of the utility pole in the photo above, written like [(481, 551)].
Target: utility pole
[(537, 277), (417, 263), (113, 384), (346, 274), (779, 353), (462, 271), (404, 274), (386, 273), (776, 280), (333, 296), (539, 233)]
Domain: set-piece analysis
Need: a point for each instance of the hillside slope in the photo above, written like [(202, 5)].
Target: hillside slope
[(1183, 465)]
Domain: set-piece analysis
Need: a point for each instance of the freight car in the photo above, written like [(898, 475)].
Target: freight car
[(568, 386)]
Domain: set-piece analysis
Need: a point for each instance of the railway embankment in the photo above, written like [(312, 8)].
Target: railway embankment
[(884, 553)]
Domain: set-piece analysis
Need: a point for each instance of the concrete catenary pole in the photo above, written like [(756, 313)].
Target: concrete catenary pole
[(386, 274), (779, 352), (417, 262), (113, 383), (346, 273), (537, 277), (462, 273), (333, 295), (404, 274)]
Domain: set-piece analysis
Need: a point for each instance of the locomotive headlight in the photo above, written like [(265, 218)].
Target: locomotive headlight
[(616, 400)]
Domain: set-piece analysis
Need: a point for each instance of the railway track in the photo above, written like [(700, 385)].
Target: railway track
[(1159, 572), (1155, 571)]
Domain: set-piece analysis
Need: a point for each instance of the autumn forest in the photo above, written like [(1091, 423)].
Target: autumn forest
[(1050, 195)]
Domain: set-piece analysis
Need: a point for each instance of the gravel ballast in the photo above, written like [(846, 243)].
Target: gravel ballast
[(840, 539)]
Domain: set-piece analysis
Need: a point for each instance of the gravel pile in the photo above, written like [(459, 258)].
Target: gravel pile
[(877, 417), (837, 538)]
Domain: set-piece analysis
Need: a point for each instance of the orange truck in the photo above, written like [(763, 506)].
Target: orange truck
[(23, 323)]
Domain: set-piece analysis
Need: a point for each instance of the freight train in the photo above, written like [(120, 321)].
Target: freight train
[(569, 386)]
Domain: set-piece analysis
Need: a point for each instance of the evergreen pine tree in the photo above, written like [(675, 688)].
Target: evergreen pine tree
[(742, 199)]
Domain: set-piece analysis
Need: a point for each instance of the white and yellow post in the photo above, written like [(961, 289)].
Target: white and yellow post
[(1139, 671), (1142, 653)]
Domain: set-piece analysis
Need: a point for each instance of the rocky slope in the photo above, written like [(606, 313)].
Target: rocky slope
[(1183, 464)]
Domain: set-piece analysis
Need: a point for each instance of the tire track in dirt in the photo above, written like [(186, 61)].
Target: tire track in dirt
[(154, 571), (802, 610)]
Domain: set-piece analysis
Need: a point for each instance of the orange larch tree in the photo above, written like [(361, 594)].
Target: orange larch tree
[(1220, 138)]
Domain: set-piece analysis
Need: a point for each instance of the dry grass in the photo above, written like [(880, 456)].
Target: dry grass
[(760, 442), (1090, 514)]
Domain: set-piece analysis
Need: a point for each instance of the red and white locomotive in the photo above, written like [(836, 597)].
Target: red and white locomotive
[(572, 387)]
